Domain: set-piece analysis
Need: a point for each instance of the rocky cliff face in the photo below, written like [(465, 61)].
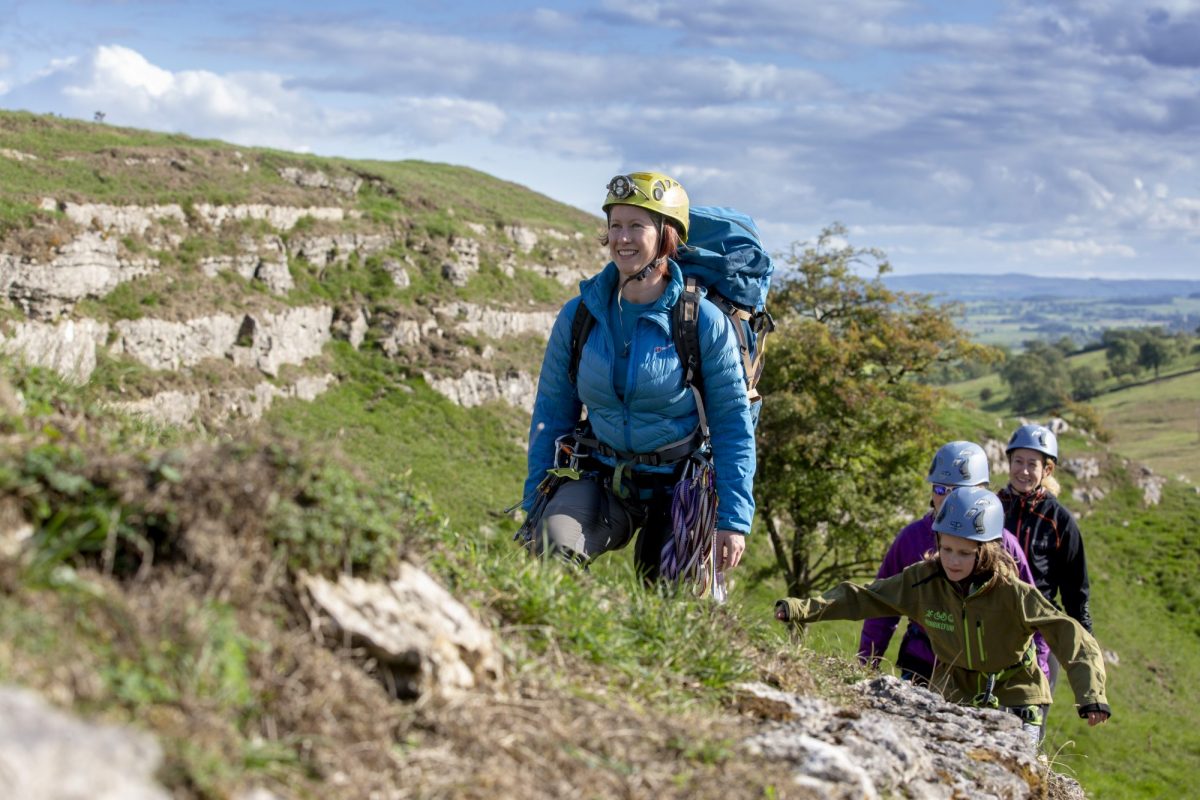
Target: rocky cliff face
[(85, 252)]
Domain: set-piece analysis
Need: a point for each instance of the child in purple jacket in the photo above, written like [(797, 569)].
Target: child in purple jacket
[(955, 464)]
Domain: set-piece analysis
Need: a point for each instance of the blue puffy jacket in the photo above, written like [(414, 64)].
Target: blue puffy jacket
[(658, 408)]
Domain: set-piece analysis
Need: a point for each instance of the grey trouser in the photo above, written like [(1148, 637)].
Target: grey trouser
[(585, 519)]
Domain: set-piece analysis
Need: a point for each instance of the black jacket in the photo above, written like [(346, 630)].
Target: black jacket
[(1054, 547)]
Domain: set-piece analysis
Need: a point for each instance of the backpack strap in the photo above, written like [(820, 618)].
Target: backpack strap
[(581, 325), (685, 331), (759, 324)]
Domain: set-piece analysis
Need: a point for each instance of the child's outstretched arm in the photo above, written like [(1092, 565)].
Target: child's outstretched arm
[(846, 601), (1077, 651)]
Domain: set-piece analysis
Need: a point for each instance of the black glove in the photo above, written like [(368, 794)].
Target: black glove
[(1090, 707)]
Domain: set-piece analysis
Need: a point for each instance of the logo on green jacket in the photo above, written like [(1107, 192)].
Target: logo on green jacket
[(942, 620)]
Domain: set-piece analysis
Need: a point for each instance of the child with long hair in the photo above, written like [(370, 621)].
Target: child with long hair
[(955, 464), (980, 618)]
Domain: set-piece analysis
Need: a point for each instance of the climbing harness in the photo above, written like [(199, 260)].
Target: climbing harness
[(688, 556), (987, 698), (1030, 715), (567, 457)]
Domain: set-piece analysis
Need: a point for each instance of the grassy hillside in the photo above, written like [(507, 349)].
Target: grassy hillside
[(382, 467), (107, 164), (1143, 564), (1155, 421), (1147, 616), (1158, 424)]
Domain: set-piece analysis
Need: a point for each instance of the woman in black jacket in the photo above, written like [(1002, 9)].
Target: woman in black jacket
[(1045, 529)]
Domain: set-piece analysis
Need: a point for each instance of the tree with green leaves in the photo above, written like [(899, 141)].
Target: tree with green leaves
[(1156, 349), (845, 433), (1085, 382), (1121, 350), (1038, 378)]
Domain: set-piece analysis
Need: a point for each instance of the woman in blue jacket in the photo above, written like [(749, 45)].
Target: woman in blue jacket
[(642, 417)]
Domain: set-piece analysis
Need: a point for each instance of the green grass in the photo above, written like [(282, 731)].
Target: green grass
[(1158, 424), (77, 160), (390, 423), (478, 197), (1146, 608)]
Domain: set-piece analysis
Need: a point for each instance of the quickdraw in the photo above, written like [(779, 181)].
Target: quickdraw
[(689, 554)]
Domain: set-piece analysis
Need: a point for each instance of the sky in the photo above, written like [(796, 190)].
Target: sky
[(1050, 137)]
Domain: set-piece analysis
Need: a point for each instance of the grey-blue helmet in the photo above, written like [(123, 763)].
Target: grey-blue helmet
[(1034, 437), (972, 513), (959, 464)]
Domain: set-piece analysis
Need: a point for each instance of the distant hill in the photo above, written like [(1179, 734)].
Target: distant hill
[(1013, 308), (1017, 286)]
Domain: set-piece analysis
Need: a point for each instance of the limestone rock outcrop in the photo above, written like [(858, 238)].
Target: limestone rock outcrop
[(68, 347), (903, 742), (474, 388), (316, 179), (496, 323), (87, 266), (465, 262), (430, 642), (183, 408), (321, 251), (1151, 486), (264, 340)]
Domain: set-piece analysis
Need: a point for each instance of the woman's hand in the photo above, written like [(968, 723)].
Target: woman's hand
[(730, 545), (1097, 718)]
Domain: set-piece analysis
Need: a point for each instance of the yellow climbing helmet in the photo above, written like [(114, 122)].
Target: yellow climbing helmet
[(652, 191)]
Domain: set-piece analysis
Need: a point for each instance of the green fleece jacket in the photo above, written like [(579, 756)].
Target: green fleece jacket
[(986, 631)]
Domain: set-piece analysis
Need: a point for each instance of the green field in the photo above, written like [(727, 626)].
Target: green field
[(1010, 323), (1156, 422)]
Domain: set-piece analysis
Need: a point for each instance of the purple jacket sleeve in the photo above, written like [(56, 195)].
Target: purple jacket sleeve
[(1024, 573), (877, 632)]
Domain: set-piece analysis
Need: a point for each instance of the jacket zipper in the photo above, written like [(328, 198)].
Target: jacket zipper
[(630, 373), (966, 636)]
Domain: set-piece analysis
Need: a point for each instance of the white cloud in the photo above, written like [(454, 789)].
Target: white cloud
[(257, 108), (248, 107), (1040, 133), (435, 119)]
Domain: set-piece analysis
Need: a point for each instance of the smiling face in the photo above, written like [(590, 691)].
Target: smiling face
[(957, 555), (1027, 468), (632, 238)]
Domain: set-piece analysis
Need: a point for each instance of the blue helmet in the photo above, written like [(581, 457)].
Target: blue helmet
[(971, 513), (1034, 437), (959, 464)]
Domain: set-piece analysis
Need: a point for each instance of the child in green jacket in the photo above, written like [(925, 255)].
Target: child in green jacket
[(980, 618)]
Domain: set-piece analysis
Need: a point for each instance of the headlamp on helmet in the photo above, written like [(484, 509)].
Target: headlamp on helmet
[(654, 192)]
